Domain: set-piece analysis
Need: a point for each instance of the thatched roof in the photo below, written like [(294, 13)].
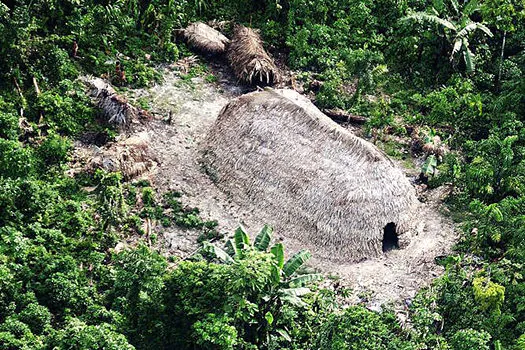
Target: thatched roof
[(250, 62), (204, 38), (115, 108), (276, 153), (132, 157)]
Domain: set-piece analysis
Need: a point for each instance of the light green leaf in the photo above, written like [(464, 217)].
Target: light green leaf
[(262, 241), (217, 252), (295, 301), (472, 26), (278, 252), (241, 240), (468, 56), (269, 317), (485, 29), (293, 296), (425, 17), (276, 275), (295, 262), (457, 48), (305, 279), (284, 334), (429, 166), (296, 292), (495, 212)]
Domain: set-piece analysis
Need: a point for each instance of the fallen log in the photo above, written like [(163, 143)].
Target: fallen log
[(341, 116)]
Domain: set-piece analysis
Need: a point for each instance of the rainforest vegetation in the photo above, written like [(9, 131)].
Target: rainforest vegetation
[(451, 68)]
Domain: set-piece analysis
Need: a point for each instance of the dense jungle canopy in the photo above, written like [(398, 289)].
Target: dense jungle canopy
[(450, 71)]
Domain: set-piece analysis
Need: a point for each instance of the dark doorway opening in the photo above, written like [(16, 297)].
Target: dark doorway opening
[(390, 239)]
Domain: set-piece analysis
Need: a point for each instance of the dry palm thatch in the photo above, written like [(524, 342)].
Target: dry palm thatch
[(115, 108), (131, 157), (204, 38), (250, 62), (276, 153)]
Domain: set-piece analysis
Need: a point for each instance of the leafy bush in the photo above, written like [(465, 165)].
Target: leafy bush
[(467, 339), (358, 328)]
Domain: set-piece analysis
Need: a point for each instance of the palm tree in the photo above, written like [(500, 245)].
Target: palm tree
[(460, 26)]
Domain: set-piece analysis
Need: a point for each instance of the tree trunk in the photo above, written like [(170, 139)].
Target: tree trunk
[(501, 57)]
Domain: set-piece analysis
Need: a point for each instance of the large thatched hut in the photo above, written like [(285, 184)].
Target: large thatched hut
[(274, 152)]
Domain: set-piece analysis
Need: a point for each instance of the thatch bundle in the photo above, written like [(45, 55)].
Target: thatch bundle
[(131, 157), (205, 39), (114, 107), (250, 62), (276, 153)]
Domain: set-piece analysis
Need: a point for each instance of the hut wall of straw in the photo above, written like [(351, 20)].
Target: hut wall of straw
[(275, 152), (250, 62)]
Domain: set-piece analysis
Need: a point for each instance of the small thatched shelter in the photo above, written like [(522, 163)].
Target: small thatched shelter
[(205, 39), (274, 152), (115, 108), (250, 62), (132, 157)]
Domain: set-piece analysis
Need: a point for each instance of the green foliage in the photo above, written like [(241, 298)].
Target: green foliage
[(279, 285), (62, 284), (81, 336), (215, 332), (137, 289), (467, 339), (17, 161), (53, 150), (488, 294), (111, 203), (66, 108), (461, 29), (359, 329), (520, 343)]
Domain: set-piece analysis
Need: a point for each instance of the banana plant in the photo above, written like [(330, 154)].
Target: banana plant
[(285, 276), (287, 285), (459, 25)]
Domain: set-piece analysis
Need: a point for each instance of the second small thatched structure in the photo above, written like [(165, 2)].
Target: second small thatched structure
[(205, 39), (115, 108), (250, 62), (276, 153)]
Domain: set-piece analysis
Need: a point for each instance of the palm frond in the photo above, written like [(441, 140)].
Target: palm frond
[(293, 296), (217, 252), (468, 56), (425, 17), (296, 292), (472, 26), (457, 48), (485, 29)]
